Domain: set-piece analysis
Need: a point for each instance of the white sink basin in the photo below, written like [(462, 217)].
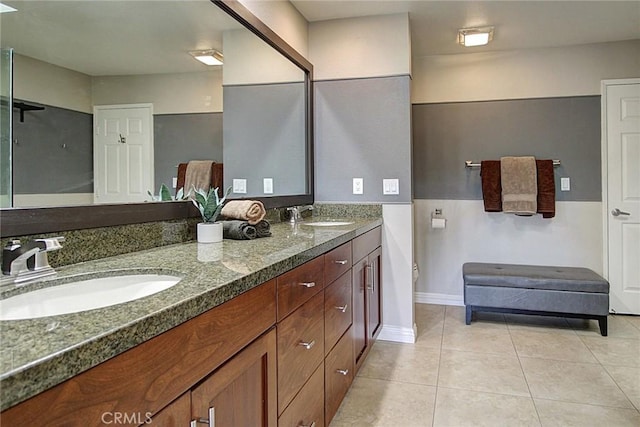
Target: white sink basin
[(327, 223), (83, 295)]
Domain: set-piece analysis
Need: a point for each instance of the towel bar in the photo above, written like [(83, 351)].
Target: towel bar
[(472, 164)]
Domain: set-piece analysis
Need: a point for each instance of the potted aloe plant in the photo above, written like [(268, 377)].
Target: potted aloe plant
[(209, 204)]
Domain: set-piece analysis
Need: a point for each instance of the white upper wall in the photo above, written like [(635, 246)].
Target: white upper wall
[(373, 46), (284, 19), (169, 93), (529, 73), (45, 83)]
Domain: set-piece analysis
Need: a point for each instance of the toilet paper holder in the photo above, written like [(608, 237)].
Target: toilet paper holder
[(437, 219)]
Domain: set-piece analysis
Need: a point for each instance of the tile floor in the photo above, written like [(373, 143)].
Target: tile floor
[(502, 370)]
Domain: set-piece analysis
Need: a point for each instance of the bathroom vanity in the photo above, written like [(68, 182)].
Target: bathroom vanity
[(264, 332)]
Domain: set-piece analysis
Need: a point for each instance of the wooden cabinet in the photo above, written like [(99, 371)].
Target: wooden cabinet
[(367, 292), (307, 409), (177, 413), (250, 379), (338, 375)]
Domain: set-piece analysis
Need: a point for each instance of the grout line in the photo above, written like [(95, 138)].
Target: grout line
[(435, 399), (524, 375)]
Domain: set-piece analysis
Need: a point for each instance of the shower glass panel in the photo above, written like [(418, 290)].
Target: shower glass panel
[(6, 103)]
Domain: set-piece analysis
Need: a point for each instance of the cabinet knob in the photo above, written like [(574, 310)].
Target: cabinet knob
[(342, 308), (308, 345), (307, 284), (342, 371), (340, 261)]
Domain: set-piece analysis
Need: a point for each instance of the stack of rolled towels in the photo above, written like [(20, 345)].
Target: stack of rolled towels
[(244, 220)]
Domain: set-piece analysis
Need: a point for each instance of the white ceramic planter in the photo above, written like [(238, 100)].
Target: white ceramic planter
[(209, 232)]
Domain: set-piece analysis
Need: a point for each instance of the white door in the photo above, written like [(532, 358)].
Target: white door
[(621, 131), (123, 153)]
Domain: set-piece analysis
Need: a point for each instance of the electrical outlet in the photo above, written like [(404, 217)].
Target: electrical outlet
[(267, 183), (358, 185), (391, 186), (240, 186), (565, 183)]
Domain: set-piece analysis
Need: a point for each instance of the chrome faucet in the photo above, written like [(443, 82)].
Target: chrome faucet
[(296, 213), (25, 263)]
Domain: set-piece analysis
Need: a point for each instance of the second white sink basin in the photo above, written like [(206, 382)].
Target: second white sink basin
[(327, 223), (84, 295)]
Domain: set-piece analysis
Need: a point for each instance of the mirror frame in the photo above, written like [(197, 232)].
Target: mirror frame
[(28, 221)]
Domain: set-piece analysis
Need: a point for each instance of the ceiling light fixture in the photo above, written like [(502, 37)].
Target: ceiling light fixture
[(209, 57), (4, 8), (478, 36)]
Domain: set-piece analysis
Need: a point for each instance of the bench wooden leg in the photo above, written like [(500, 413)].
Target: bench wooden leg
[(469, 314), (602, 322)]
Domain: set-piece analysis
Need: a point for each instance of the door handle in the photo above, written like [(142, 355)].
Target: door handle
[(618, 212)]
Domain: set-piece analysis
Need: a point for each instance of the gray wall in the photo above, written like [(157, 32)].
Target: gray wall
[(447, 134), (264, 137), (363, 130), (40, 162), (183, 137)]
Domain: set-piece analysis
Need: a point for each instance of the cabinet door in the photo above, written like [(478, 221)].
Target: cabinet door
[(338, 375), (359, 330), (177, 414), (249, 378), (374, 292)]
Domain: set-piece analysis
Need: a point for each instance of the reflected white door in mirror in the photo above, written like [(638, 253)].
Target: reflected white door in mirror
[(122, 152)]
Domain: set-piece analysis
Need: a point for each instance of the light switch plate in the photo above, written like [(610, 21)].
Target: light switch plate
[(358, 185), (240, 186), (267, 183), (391, 186), (565, 183), (174, 182)]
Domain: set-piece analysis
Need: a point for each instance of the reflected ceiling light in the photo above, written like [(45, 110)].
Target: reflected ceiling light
[(475, 36), (209, 57), (4, 8)]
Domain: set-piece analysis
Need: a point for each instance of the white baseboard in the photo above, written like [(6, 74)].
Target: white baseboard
[(398, 334), (440, 299)]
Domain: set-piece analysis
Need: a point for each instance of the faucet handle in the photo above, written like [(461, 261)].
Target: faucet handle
[(51, 243)]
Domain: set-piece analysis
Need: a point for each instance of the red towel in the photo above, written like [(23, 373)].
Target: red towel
[(546, 188), (491, 187)]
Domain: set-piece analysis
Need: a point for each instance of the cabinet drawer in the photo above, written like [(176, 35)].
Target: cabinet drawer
[(337, 262), (338, 368), (298, 285), (366, 243), (300, 348), (307, 407), (337, 310)]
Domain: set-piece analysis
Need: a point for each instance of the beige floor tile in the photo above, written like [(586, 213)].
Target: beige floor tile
[(551, 345), (429, 312), (493, 373), (429, 323), (572, 382), (475, 409), (614, 351), (378, 403), (539, 323), (618, 327), (480, 340), (455, 317), (564, 414), (402, 362), (634, 320), (628, 379)]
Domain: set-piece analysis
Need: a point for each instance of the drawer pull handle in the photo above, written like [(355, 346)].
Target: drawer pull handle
[(343, 308), (211, 421), (307, 284), (340, 261), (313, 424), (342, 371), (308, 345)]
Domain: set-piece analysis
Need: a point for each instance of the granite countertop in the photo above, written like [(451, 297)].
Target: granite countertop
[(38, 354)]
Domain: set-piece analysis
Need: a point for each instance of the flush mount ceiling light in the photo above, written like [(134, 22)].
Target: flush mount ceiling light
[(209, 57), (4, 8), (475, 36)]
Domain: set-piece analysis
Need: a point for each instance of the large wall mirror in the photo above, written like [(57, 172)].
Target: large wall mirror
[(80, 65)]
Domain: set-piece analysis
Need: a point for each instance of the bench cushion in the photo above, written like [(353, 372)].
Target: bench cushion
[(575, 279)]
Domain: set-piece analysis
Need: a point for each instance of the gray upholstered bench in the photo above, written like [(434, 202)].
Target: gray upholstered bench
[(533, 289)]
